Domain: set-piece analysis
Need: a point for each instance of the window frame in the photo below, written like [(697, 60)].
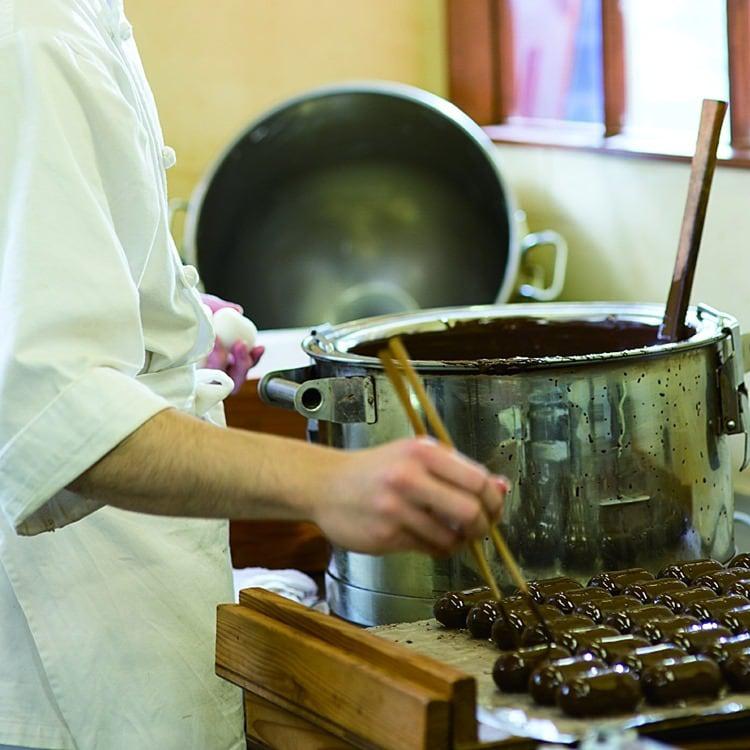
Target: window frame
[(481, 82)]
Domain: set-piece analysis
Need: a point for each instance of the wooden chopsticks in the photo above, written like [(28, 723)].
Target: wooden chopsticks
[(397, 351), (394, 375)]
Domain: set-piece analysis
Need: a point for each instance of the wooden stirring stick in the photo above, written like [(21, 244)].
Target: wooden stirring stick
[(693, 219), (399, 353)]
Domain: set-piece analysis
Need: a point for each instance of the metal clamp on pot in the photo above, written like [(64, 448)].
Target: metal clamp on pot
[(337, 400)]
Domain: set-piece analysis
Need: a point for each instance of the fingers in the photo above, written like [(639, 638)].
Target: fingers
[(240, 363), (255, 355), (217, 359), (433, 533), (413, 484), (215, 303), (451, 466)]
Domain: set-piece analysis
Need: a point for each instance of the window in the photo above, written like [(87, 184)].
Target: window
[(622, 75)]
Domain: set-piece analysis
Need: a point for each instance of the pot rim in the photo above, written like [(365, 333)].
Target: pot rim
[(333, 344), (438, 104)]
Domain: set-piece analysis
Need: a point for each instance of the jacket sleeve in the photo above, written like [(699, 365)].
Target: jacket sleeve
[(71, 338)]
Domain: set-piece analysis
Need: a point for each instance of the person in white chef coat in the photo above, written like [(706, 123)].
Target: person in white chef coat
[(115, 472)]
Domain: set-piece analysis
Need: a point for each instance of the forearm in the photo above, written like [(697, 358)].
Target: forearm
[(177, 465)]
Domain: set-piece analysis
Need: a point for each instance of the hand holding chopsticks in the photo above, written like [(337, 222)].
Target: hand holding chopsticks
[(396, 351)]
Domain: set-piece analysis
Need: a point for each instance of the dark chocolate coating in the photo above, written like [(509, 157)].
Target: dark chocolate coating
[(536, 632), (616, 580), (544, 589), (737, 620), (722, 580), (736, 671), (506, 631), (661, 631), (598, 610), (581, 639), (740, 561), (625, 621), (512, 670), (568, 601), (545, 680), (614, 648), (452, 609), (741, 588), (725, 648), (689, 678), (698, 639), (647, 591), (679, 601), (612, 691), (481, 618), (713, 609), (687, 572), (651, 656)]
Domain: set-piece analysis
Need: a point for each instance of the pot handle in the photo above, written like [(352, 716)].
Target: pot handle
[(340, 400), (537, 291)]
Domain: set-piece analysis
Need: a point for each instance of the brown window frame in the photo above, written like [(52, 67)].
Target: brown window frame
[(481, 81)]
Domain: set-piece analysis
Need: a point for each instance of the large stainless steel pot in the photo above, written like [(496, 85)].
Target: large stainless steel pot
[(362, 199), (616, 445)]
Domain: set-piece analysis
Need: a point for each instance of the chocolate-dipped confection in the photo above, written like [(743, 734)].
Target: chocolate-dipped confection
[(679, 601), (481, 618), (614, 648), (512, 670), (611, 691), (615, 581), (741, 588), (581, 639), (567, 601), (651, 656), (647, 591), (698, 639), (598, 610), (536, 632), (725, 648), (661, 631), (687, 572), (740, 561), (626, 620), (506, 631), (542, 590), (681, 679), (737, 620), (721, 581), (545, 680), (451, 609), (713, 609), (736, 671)]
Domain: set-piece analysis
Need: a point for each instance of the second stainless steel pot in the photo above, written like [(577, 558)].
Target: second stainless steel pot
[(362, 199), (617, 446)]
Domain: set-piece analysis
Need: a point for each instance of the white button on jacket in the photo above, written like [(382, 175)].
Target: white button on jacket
[(107, 624)]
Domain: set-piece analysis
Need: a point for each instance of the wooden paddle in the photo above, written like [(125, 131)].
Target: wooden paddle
[(693, 219)]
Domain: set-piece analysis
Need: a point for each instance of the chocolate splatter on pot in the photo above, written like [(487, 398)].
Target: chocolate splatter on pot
[(616, 444)]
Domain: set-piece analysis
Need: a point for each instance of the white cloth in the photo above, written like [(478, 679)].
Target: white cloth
[(106, 625), (291, 584)]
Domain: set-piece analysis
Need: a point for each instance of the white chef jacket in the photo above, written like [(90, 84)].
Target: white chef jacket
[(107, 624)]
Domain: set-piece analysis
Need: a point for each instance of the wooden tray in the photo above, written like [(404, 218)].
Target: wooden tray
[(313, 682)]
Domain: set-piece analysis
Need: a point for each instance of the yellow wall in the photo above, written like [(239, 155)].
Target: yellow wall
[(215, 65)]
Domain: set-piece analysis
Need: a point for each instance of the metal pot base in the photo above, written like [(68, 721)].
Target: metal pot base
[(369, 608)]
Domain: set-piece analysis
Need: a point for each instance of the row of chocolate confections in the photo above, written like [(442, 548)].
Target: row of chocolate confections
[(623, 623)]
